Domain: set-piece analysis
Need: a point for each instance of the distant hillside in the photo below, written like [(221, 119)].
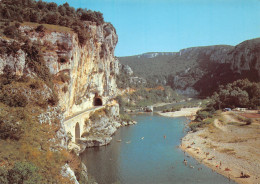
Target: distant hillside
[(168, 63), (199, 68)]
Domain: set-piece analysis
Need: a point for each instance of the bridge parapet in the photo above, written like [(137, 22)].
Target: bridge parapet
[(76, 124)]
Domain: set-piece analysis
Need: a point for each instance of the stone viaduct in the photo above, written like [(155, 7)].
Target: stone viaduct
[(76, 124)]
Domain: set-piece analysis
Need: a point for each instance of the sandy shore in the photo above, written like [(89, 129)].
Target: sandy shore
[(183, 112), (216, 148)]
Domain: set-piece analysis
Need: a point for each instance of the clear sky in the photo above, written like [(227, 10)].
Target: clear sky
[(170, 25)]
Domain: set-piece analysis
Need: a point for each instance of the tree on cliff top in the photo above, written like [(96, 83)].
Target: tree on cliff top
[(11, 9), (49, 13)]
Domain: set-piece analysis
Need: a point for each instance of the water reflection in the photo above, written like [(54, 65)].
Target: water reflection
[(104, 161)]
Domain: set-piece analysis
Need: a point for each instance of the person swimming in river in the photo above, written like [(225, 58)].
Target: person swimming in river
[(185, 162), (164, 136)]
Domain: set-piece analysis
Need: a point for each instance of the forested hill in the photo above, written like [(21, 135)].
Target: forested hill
[(170, 63), (199, 68)]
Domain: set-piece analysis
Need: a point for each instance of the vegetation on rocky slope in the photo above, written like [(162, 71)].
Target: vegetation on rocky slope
[(29, 150), (47, 13), (31, 134), (142, 93), (162, 68), (200, 68), (142, 97)]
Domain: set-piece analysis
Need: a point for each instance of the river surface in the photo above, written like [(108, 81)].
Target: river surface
[(145, 156)]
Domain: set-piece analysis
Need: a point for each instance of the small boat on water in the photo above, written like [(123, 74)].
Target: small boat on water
[(128, 142), (119, 140), (142, 138)]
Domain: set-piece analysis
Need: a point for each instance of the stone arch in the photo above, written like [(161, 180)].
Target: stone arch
[(97, 100), (77, 132)]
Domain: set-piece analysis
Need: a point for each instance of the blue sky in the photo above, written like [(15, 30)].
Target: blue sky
[(170, 25)]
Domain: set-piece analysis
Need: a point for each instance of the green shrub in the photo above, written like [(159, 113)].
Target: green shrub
[(240, 93), (13, 99), (102, 50), (17, 25), (175, 109), (11, 31), (83, 35), (125, 117), (51, 18), (53, 100), (202, 114), (40, 28), (10, 129), (97, 115), (35, 85), (12, 48), (36, 62), (249, 121), (3, 175), (194, 126), (63, 77), (208, 121), (24, 172), (69, 137), (24, 79)]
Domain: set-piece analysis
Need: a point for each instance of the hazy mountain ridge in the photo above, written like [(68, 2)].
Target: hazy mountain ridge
[(200, 68)]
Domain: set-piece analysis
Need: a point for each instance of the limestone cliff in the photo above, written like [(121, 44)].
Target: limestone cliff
[(82, 74), (245, 57), (57, 71), (80, 71), (68, 80), (199, 70)]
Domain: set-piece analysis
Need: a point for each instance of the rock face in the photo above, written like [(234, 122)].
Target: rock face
[(67, 172), (84, 76), (126, 69), (90, 69), (83, 80), (148, 109), (199, 70), (126, 77), (246, 56), (100, 126), (154, 54), (80, 71)]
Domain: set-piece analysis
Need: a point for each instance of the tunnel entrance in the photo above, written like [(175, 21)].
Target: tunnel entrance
[(97, 100), (77, 133)]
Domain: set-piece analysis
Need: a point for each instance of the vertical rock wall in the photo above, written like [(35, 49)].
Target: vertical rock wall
[(80, 71)]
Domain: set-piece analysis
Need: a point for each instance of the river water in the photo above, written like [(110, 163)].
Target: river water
[(145, 156)]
